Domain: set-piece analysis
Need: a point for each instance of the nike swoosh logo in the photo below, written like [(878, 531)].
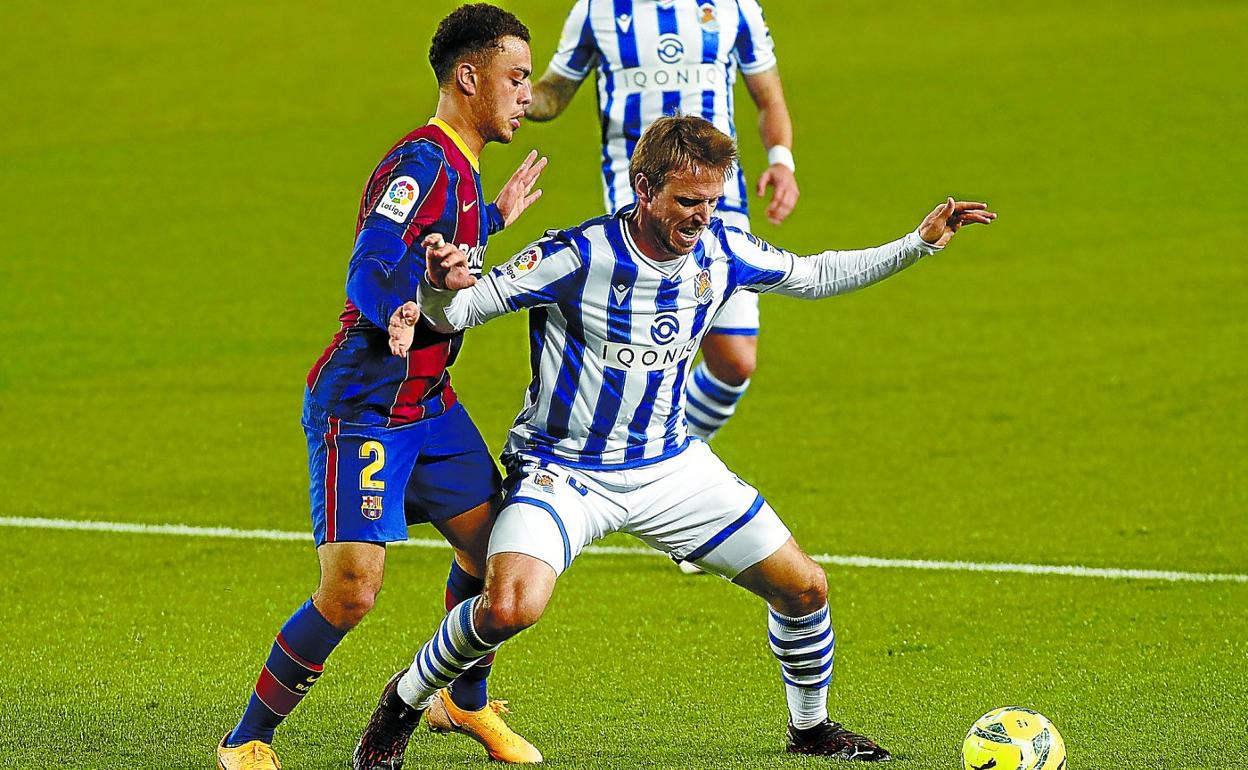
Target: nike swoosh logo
[(991, 763), (625, 21), (469, 204)]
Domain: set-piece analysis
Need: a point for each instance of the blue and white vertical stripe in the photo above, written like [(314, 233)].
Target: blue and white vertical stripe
[(657, 57), (608, 387), (614, 337)]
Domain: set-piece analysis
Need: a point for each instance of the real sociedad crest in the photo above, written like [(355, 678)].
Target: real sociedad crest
[(702, 290), (707, 18)]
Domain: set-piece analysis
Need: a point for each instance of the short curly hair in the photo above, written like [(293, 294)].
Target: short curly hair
[(471, 31)]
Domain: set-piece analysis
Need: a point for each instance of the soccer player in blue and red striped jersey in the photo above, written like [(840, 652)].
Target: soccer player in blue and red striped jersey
[(389, 444)]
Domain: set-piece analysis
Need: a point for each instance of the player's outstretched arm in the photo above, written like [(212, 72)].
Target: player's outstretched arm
[(764, 268), (518, 194)]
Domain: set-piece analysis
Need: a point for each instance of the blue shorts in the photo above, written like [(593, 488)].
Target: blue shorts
[(368, 483)]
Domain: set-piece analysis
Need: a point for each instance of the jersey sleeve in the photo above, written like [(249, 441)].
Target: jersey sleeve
[(407, 193), (754, 49), (578, 49), (545, 273), (760, 267)]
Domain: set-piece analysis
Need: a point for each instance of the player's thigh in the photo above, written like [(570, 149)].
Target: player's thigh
[(349, 568), (788, 580), (453, 476), (357, 474), (698, 510), (551, 513)]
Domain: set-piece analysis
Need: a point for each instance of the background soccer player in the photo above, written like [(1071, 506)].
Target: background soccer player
[(617, 308), (388, 442), (682, 56)]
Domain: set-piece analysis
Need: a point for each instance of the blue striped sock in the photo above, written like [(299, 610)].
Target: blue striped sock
[(806, 649), (710, 402), (454, 648), (295, 662), (469, 691)]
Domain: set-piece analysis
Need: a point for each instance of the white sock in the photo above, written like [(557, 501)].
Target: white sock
[(806, 649), (710, 402), (452, 651)]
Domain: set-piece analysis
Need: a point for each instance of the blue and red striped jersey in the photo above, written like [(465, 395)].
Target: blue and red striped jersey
[(429, 182)]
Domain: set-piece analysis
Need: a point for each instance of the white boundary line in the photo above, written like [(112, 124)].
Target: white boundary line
[(839, 561)]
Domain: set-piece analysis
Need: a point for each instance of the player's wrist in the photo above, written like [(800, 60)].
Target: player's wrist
[(781, 156), (494, 218)]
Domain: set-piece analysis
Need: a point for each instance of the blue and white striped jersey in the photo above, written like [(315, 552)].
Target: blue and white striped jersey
[(658, 57), (613, 334)]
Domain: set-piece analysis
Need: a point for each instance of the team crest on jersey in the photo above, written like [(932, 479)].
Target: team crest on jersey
[(522, 263), (370, 507), (544, 481), (399, 198), (702, 290), (707, 18)]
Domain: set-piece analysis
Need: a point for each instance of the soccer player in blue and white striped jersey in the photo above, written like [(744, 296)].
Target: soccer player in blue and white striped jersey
[(617, 307), (662, 57)]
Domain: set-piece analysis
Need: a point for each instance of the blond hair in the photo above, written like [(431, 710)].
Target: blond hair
[(681, 143)]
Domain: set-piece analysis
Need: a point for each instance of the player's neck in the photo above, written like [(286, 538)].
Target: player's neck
[(459, 120), (649, 246)]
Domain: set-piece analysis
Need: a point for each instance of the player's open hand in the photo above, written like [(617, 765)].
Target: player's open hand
[(786, 193), (939, 227), (403, 328), (518, 194), (447, 265)]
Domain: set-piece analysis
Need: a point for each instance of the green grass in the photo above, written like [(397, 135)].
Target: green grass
[(177, 195)]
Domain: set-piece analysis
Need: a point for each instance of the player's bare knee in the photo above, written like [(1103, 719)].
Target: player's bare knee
[(508, 612), (346, 598), (804, 595), (734, 369)]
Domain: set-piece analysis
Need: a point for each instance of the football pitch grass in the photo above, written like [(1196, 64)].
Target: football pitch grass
[(177, 195)]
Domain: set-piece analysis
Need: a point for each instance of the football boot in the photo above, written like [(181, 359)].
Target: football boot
[(384, 741), (485, 726), (252, 755), (829, 739)]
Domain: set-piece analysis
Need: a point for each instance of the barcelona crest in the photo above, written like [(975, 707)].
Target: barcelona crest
[(370, 507)]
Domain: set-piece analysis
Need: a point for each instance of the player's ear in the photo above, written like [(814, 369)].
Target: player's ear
[(641, 186), (466, 78)]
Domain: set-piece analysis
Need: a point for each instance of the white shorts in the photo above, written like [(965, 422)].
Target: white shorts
[(739, 315), (690, 507)]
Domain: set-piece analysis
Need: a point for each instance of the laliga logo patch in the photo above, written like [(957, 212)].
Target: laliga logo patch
[(707, 19), (370, 507), (665, 328), (399, 199), (522, 263), (702, 290), (671, 49)]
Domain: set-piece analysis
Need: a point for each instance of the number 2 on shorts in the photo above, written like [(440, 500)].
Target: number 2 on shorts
[(375, 450)]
